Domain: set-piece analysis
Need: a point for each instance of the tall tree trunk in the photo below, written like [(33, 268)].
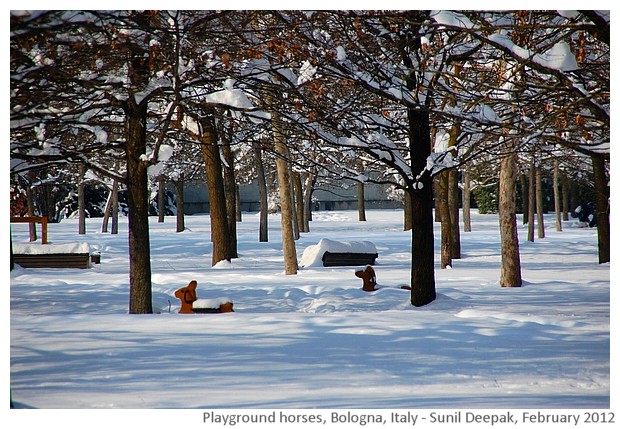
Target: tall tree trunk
[(442, 212), (531, 202), (106, 213), (524, 198), (215, 185), (230, 192), (466, 202), (30, 209), (453, 210), (140, 293), (540, 211), (299, 201), (361, 203), (565, 193), (407, 216), (161, 199), (81, 201), (556, 196), (238, 216), (263, 233), (511, 262), (114, 207), (286, 197), (179, 186), (601, 186), (422, 243), (308, 189)]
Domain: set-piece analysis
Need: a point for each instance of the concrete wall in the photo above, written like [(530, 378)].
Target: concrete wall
[(325, 197)]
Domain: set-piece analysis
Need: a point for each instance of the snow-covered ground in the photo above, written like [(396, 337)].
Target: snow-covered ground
[(315, 339)]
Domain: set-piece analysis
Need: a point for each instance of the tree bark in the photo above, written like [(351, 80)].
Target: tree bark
[(215, 186), (565, 194), (81, 201), (230, 192), (32, 229), (422, 241), (531, 202), (308, 189), (286, 197), (601, 186), (524, 198), (263, 233), (442, 213), (466, 202), (556, 196), (140, 294), (106, 213), (161, 199), (179, 185), (407, 221), (453, 211), (114, 207), (361, 203), (540, 211), (299, 201), (511, 263)]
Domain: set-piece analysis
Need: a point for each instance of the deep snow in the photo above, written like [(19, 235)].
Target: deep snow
[(315, 339)]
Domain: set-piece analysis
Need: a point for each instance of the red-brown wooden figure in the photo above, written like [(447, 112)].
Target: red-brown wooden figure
[(369, 277)]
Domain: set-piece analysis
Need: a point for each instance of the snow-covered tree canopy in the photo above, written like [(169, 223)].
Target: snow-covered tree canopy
[(340, 78)]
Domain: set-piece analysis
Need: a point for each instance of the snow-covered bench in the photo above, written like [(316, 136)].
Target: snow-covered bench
[(331, 253), (35, 255)]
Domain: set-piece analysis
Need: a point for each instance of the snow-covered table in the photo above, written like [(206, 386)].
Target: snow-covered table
[(68, 255)]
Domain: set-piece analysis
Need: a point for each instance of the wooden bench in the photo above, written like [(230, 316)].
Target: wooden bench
[(67, 255), (335, 259), (53, 260)]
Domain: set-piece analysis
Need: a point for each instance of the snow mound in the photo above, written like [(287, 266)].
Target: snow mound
[(210, 302), (312, 256), (48, 249)]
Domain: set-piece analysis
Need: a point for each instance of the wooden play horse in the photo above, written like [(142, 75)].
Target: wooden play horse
[(191, 304), (369, 278)]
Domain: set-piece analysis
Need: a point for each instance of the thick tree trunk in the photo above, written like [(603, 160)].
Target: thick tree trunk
[(601, 186), (466, 202), (511, 263), (81, 201), (286, 197), (179, 186), (422, 242), (215, 185), (361, 203), (556, 196), (263, 233), (540, 210), (140, 294)]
